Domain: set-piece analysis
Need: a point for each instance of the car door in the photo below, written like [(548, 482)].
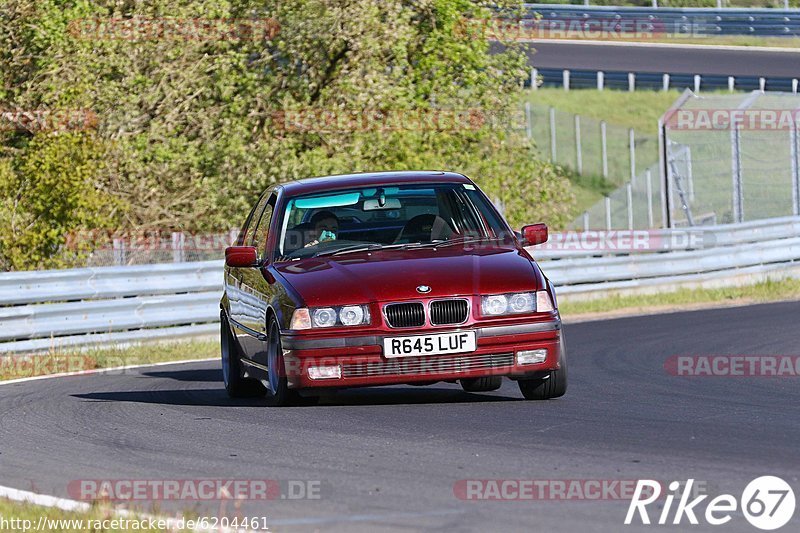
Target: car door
[(255, 289), (239, 300)]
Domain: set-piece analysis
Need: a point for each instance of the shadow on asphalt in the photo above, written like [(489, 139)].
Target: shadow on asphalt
[(217, 397), (204, 375)]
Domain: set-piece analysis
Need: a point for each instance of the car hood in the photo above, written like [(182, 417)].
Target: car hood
[(395, 274)]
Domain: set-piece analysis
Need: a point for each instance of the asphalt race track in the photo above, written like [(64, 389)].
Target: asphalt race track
[(388, 458), (704, 61)]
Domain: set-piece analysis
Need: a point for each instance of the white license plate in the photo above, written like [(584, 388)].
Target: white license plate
[(445, 343)]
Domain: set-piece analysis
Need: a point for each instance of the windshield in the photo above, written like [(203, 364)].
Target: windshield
[(398, 216)]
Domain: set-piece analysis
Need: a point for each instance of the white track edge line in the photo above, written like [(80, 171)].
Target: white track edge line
[(65, 504), (103, 370)]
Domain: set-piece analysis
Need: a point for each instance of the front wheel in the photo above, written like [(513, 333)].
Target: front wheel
[(484, 384), (279, 395), (552, 384), (236, 385)]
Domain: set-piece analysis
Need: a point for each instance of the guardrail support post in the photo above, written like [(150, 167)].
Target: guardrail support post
[(665, 82), (578, 151), (795, 151), (631, 81), (629, 191), (608, 212), (632, 149), (604, 148), (601, 78), (697, 83), (565, 79), (118, 246), (731, 83), (762, 83), (794, 85), (528, 121), (553, 135), (534, 76), (178, 247), (649, 184), (736, 174)]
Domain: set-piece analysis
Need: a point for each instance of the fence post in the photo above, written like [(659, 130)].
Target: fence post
[(689, 174), (178, 247), (118, 245), (585, 221), (528, 123), (631, 81), (731, 83), (578, 151), (736, 173), (632, 149), (601, 79), (565, 79), (794, 85), (762, 84), (629, 191), (553, 135), (663, 172), (534, 75), (665, 82), (793, 137), (697, 83), (649, 183), (604, 148), (608, 211)]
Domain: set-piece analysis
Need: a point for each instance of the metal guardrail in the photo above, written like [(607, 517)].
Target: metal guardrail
[(40, 311), (631, 81), (689, 21)]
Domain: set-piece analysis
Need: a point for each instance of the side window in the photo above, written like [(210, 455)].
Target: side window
[(261, 232), (246, 236)]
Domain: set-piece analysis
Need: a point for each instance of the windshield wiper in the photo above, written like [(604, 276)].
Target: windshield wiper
[(444, 243), (350, 249)]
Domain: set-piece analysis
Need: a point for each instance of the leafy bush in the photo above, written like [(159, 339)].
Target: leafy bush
[(186, 136)]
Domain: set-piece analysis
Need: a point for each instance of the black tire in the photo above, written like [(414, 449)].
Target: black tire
[(552, 384), (236, 385), (484, 384), (279, 394)]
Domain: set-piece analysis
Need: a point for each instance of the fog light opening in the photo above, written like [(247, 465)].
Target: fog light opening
[(325, 372), (531, 357)]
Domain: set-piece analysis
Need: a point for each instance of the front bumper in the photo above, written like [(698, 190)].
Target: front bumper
[(362, 362)]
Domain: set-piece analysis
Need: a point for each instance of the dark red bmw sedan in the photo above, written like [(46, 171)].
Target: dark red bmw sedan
[(386, 278)]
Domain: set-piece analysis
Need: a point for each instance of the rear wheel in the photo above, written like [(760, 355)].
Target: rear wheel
[(552, 384), (484, 384), (236, 385)]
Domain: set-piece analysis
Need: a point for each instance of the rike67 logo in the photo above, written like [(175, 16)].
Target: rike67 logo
[(767, 502)]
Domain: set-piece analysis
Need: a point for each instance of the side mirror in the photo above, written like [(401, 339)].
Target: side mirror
[(241, 256), (534, 234)]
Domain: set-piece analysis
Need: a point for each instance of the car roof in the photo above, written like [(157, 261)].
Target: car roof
[(368, 179)]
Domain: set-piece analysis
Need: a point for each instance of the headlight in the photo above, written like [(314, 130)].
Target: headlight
[(352, 315), (516, 303), (326, 317)]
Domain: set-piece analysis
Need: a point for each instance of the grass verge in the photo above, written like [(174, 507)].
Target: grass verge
[(17, 516), (767, 291), (14, 366)]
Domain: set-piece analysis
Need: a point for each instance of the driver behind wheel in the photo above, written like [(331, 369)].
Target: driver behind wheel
[(325, 227)]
